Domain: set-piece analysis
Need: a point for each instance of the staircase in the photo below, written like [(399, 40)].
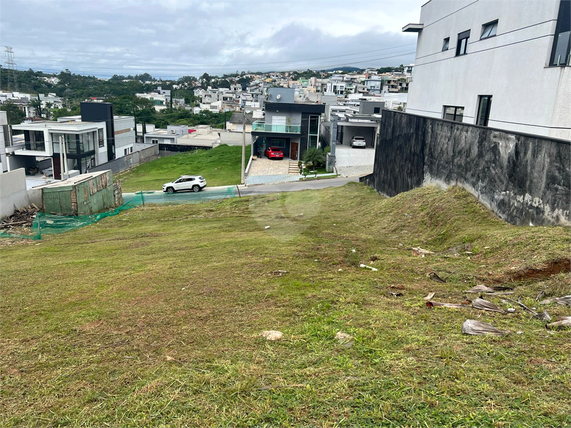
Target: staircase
[(293, 168)]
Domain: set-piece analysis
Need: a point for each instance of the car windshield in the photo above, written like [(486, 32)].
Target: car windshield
[(358, 138), (276, 149)]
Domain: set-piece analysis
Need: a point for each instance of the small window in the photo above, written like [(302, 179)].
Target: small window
[(484, 107), (446, 44), (453, 113), (560, 54), (155, 141), (101, 142), (489, 30), (377, 110), (462, 46)]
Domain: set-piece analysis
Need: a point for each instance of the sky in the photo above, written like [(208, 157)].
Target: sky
[(174, 38)]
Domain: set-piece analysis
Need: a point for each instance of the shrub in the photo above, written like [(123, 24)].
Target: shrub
[(315, 156)]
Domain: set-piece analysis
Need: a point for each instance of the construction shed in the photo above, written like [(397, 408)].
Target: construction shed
[(83, 194)]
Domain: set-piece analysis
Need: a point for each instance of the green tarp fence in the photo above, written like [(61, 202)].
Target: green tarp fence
[(50, 223)]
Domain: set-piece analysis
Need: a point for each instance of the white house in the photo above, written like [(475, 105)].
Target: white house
[(496, 63), (90, 139)]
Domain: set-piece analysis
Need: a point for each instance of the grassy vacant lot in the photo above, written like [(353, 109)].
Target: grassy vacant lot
[(153, 317), (220, 166)]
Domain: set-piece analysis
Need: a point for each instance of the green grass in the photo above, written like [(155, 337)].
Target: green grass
[(153, 317), (219, 166)]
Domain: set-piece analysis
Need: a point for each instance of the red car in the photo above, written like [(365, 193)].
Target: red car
[(274, 153)]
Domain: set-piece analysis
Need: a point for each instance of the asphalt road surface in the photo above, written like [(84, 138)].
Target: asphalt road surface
[(211, 193)]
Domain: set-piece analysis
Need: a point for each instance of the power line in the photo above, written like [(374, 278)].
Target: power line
[(309, 62), (184, 69)]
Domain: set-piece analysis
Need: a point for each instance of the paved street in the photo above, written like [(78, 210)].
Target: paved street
[(221, 192), (351, 162)]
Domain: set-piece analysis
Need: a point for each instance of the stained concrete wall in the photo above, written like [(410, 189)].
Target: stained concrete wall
[(13, 194), (522, 178)]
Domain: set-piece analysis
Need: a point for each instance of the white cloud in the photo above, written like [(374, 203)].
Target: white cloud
[(170, 38)]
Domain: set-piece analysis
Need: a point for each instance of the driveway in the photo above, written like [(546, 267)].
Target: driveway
[(352, 162), (265, 166)]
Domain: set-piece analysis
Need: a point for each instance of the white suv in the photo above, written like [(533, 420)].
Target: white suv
[(186, 182), (359, 142)]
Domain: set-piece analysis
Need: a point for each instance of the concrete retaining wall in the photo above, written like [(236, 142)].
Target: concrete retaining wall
[(13, 193), (522, 178)]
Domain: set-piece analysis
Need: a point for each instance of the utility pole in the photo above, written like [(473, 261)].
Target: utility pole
[(243, 171)]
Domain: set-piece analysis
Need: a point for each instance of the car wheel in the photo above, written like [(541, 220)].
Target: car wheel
[(196, 188), (170, 190)]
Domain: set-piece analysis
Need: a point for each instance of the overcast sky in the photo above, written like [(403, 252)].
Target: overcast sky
[(173, 38)]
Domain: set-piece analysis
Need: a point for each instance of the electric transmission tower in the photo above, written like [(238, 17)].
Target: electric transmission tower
[(11, 69)]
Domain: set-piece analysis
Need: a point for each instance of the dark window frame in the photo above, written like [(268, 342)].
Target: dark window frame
[(462, 45), (483, 116), (488, 28), (445, 44), (456, 116), (562, 32)]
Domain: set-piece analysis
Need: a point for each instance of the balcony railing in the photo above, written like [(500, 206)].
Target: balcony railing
[(282, 129)]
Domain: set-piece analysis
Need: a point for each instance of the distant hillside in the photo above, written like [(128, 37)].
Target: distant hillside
[(345, 69)]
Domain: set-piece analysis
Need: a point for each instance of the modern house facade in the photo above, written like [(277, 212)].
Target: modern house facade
[(480, 62), (293, 127), (75, 143)]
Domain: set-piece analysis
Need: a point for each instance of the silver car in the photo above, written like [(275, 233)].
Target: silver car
[(358, 141)]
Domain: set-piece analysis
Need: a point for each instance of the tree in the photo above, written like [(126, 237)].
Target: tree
[(15, 115), (205, 80), (49, 106), (37, 104)]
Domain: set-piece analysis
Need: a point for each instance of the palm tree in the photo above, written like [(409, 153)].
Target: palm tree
[(49, 105)]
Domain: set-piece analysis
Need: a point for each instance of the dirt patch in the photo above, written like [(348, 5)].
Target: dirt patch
[(547, 270), (551, 268), (90, 325)]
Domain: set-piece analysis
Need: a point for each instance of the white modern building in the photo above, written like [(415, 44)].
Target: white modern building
[(73, 143), (497, 63)]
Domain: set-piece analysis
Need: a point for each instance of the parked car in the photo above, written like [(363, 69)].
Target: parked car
[(274, 153), (359, 142), (186, 182)]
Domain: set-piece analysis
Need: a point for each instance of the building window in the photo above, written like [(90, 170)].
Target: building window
[(155, 141), (462, 46), (562, 40), (445, 44), (376, 110), (489, 30), (101, 142), (484, 107), (453, 113)]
